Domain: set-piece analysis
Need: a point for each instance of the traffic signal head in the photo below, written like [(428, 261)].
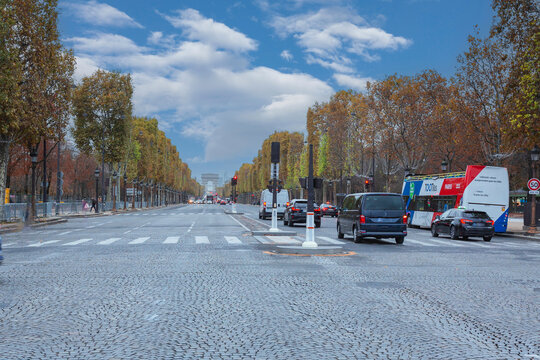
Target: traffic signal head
[(234, 180)]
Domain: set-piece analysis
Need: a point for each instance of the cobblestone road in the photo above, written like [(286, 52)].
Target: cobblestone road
[(191, 283)]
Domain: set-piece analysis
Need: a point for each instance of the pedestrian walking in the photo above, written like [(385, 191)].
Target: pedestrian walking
[(93, 205)]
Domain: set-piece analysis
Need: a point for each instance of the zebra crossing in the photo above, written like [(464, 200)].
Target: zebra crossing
[(185, 239), (172, 214)]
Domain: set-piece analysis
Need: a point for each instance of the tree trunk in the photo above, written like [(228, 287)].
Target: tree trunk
[(4, 160)]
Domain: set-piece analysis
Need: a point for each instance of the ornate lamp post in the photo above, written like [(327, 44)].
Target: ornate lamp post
[(33, 157), (444, 166), (125, 191), (96, 174), (114, 176), (535, 155)]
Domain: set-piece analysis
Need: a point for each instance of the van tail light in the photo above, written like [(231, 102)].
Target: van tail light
[(287, 204), (465, 221), (404, 219), (362, 219), (264, 204), (317, 209)]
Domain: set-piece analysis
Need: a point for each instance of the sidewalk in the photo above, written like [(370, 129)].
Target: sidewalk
[(18, 226), (515, 228)]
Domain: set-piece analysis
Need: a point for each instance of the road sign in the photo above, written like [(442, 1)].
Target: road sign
[(534, 192), (533, 184)]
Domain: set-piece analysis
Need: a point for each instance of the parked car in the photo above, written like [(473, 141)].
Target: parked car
[(223, 202), (463, 223), (328, 210), (379, 215), (265, 207), (296, 212)]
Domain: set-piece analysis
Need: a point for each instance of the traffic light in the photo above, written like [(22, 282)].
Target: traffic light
[(368, 183), (234, 180)]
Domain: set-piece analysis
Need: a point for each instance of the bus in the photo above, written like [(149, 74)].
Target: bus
[(481, 188)]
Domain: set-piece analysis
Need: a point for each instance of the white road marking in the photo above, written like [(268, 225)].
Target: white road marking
[(262, 239), (283, 240), (191, 227), (8, 245), (139, 240), (91, 226), (152, 317), (77, 242), (201, 240), (65, 232), (330, 240), (172, 240), (127, 232), (448, 243), (43, 243), (232, 240), (418, 242), (239, 223), (108, 241)]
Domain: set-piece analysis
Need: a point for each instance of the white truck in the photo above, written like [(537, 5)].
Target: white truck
[(265, 206)]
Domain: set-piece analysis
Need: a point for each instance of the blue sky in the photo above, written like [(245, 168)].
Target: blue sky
[(220, 76)]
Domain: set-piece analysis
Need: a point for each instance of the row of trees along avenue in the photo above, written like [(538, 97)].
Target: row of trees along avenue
[(38, 97), (488, 113)]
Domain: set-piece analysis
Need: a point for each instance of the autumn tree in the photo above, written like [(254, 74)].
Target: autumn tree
[(36, 73)]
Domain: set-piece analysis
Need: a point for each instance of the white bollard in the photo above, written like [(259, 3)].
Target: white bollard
[(274, 220), (310, 231)]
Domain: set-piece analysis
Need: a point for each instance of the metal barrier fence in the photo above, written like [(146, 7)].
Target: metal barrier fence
[(19, 211)]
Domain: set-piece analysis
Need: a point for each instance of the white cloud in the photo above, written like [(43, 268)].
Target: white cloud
[(204, 86), (96, 13), (329, 32), (105, 44), (286, 54), (84, 67), (208, 31), (351, 82)]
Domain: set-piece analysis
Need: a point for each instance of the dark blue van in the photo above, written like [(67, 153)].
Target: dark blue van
[(378, 215)]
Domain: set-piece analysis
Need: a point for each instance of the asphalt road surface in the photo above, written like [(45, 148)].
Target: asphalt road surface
[(191, 282)]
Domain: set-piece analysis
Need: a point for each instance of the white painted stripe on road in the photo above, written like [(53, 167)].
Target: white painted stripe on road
[(191, 227), (65, 232), (475, 243), (418, 242), (232, 240), (201, 240), (172, 240), (91, 226), (108, 241), (330, 240), (8, 245), (43, 243), (283, 240), (239, 223), (77, 242), (262, 239), (139, 240), (448, 243)]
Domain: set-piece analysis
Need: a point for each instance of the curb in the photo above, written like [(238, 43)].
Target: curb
[(9, 228), (49, 222), (518, 235)]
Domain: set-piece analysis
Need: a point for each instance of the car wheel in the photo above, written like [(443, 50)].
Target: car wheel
[(400, 239), (260, 217), (291, 224), (340, 235), (487, 238), (465, 238), (434, 232), (453, 233), (356, 238)]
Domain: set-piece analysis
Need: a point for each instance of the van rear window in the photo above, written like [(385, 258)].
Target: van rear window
[(383, 202)]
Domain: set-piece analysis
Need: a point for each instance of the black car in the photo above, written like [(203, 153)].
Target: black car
[(463, 223), (328, 210), (296, 213), (378, 215)]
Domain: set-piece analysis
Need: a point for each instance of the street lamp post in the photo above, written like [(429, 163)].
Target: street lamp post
[(114, 176), (310, 219), (535, 155), (133, 192), (444, 166), (125, 192), (33, 157), (96, 174), (59, 179)]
